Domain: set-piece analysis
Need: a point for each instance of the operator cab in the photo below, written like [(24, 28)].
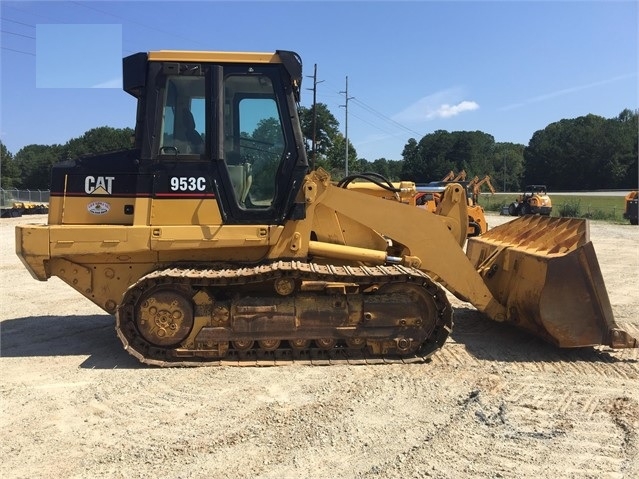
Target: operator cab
[(230, 118), (535, 189)]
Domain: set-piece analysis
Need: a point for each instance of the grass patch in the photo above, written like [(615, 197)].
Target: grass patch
[(608, 208)]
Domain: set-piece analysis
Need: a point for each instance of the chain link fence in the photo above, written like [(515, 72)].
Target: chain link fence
[(11, 195)]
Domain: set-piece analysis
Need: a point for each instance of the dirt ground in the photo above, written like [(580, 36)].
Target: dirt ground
[(494, 402)]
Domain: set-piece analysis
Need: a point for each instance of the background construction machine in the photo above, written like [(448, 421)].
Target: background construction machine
[(451, 176), (534, 200), (19, 208), (427, 196), (211, 239), (632, 206), (475, 185)]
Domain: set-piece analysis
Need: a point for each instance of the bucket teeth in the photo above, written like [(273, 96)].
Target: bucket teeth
[(621, 339)]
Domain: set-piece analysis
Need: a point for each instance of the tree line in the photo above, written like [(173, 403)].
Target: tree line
[(584, 153), (30, 168)]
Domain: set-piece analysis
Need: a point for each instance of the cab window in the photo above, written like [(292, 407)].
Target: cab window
[(253, 138), (183, 116)]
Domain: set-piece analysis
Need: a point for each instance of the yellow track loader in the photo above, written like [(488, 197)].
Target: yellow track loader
[(211, 240)]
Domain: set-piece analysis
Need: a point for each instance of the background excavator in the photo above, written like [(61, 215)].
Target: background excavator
[(210, 239), (475, 186), (451, 176)]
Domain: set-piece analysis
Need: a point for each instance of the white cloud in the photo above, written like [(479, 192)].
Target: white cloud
[(446, 111), (566, 91), (443, 104), (113, 83)]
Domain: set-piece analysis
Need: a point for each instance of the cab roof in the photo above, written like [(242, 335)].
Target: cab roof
[(214, 56)]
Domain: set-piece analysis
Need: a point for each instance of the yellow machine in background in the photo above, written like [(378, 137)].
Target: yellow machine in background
[(211, 238), (451, 176), (534, 200), (19, 208), (475, 187), (428, 197), (631, 212)]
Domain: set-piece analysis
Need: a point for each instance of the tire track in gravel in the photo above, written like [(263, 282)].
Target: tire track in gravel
[(624, 412), (476, 339), (519, 429)]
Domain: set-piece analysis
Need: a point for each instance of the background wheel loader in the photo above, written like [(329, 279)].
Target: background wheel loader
[(534, 200), (212, 240)]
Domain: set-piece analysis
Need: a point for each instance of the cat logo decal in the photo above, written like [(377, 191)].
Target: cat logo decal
[(100, 185)]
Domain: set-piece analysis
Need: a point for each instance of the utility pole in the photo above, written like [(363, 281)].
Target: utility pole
[(504, 173), (315, 82), (346, 122)]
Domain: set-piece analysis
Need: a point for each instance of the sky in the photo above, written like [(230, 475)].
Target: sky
[(507, 68)]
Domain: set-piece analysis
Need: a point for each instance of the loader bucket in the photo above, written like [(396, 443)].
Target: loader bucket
[(545, 273)]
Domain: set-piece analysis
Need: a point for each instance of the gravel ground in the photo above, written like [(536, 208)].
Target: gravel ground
[(494, 402)]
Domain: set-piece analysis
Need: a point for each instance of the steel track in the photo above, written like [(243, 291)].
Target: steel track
[(197, 278)]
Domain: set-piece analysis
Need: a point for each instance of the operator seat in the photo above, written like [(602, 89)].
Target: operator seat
[(188, 136)]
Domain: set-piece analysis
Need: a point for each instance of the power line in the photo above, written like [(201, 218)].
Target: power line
[(28, 12), (136, 23), (79, 4), (388, 132), (358, 102), (17, 34), (18, 51), (363, 105), (19, 23)]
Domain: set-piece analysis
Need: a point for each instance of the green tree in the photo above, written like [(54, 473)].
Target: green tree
[(508, 166), (98, 140), (624, 163), (395, 170), (326, 130), (263, 149), (9, 171), (336, 155), (588, 152), (433, 157), (34, 162), (411, 162), (439, 152), (389, 169)]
